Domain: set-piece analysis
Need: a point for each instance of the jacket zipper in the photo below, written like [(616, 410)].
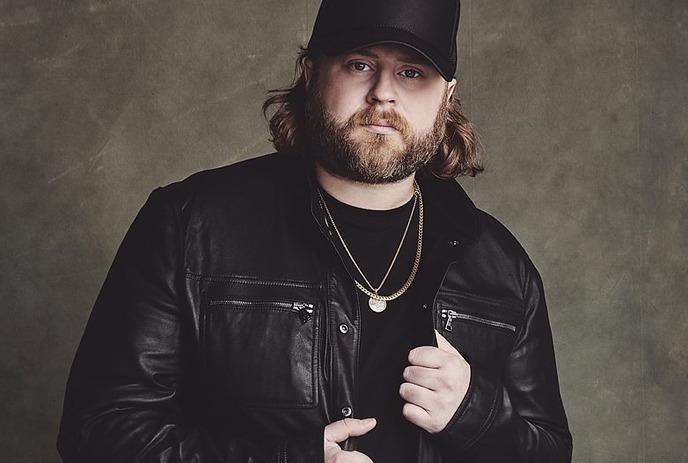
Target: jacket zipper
[(251, 281), (303, 309), (449, 315)]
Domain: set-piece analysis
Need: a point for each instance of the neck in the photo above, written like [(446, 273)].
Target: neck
[(366, 195)]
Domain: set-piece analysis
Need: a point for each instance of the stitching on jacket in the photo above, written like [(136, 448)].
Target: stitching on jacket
[(329, 345), (315, 363), (488, 421), (358, 323), (510, 304), (524, 312), (258, 403)]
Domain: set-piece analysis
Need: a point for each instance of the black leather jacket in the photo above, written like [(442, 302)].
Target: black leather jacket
[(216, 335)]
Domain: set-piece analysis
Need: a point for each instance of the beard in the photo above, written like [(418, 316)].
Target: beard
[(370, 157)]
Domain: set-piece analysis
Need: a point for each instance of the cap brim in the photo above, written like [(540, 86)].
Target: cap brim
[(360, 38)]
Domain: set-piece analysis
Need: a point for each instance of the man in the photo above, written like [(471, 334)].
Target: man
[(257, 312)]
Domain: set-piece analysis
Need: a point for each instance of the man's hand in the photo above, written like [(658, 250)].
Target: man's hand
[(436, 383), (341, 430)]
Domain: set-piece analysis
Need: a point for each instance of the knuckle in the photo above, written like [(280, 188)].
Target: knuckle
[(460, 375), (348, 423), (445, 401), (445, 381)]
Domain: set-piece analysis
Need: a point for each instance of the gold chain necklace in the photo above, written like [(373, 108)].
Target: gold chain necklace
[(377, 302)]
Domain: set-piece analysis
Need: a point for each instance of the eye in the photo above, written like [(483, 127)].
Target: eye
[(407, 71), (360, 66), (357, 65)]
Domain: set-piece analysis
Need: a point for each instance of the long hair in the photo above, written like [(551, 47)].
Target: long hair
[(458, 153)]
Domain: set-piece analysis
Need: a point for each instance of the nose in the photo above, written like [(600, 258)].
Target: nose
[(382, 89)]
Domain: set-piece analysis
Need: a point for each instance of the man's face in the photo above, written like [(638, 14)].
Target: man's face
[(377, 114)]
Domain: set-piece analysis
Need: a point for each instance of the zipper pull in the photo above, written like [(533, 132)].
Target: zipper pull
[(304, 309), (448, 323)]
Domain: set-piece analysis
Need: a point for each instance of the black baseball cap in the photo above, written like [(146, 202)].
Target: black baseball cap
[(427, 26)]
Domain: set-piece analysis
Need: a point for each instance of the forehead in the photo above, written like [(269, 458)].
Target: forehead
[(392, 50)]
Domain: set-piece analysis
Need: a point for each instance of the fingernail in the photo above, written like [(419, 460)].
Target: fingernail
[(369, 421)]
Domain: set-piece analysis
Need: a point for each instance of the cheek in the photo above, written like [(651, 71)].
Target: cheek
[(421, 119), (342, 99), (422, 113), (341, 105)]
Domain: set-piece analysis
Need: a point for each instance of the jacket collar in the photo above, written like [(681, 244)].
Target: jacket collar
[(455, 214)]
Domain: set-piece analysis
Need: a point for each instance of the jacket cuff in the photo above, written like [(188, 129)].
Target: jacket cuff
[(474, 415), (308, 449)]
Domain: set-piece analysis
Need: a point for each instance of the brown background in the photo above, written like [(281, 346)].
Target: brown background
[(581, 107)]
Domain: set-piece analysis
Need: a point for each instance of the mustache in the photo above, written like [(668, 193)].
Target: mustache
[(380, 117)]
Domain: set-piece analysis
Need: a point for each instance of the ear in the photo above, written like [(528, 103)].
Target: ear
[(450, 87)]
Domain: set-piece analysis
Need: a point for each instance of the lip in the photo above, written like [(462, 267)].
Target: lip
[(378, 128)]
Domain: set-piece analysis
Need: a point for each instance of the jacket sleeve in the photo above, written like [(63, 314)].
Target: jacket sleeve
[(518, 417), (130, 394)]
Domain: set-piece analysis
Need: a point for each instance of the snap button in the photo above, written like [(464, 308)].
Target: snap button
[(346, 411), (454, 242), (343, 328), (425, 306)]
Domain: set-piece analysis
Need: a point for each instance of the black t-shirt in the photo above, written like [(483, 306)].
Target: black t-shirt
[(372, 237)]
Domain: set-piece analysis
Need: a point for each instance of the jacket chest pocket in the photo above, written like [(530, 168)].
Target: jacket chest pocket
[(482, 329), (260, 343)]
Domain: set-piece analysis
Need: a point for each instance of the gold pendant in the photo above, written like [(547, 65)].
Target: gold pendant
[(377, 305)]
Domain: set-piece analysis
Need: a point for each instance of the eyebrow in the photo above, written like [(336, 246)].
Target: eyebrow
[(406, 57)]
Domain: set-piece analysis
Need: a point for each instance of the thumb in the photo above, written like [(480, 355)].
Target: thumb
[(445, 345), (341, 430)]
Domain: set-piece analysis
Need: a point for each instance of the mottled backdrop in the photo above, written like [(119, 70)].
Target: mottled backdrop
[(582, 111)]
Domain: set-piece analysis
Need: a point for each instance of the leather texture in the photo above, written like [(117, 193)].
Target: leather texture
[(215, 336)]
